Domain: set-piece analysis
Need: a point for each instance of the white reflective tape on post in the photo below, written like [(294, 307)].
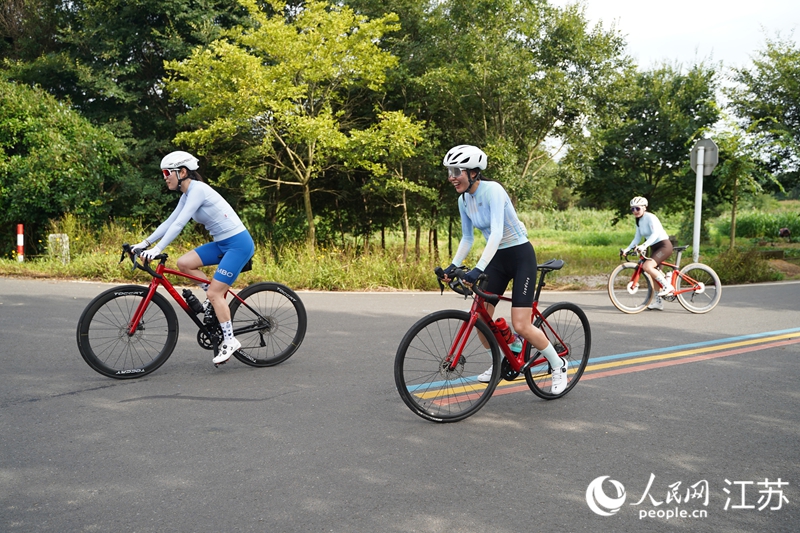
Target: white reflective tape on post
[(20, 244)]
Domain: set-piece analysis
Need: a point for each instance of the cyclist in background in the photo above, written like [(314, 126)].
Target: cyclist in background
[(231, 248), (649, 227), (508, 254)]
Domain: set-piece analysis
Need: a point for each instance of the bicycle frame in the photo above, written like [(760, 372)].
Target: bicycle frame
[(672, 277), (478, 311), (159, 279)]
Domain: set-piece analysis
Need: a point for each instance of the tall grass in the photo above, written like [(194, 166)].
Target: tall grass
[(585, 239), (758, 224)]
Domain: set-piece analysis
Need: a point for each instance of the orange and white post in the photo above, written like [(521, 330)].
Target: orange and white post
[(20, 244)]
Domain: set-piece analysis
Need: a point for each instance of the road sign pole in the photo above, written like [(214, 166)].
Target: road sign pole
[(698, 203)]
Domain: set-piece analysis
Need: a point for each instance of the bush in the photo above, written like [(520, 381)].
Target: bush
[(737, 266)]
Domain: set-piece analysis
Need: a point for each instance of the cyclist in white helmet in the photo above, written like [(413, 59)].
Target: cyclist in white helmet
[(649, 227), (231, 248), (508, 254)]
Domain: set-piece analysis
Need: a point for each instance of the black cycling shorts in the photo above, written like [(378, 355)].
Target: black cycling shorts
[(516, 263)]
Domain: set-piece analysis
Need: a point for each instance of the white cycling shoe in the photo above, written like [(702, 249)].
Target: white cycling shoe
[(666, 291), (559, 379), (658, 304), (227, 349)]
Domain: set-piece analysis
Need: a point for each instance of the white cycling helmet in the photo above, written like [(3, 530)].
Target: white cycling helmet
[(465, 156), (639, 201), (179, 159)]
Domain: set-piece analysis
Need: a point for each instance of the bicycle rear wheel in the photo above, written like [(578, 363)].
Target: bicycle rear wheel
[(103, 338), (626, 296), (422, 373), (708, 288), (270, 324), (567, 329)]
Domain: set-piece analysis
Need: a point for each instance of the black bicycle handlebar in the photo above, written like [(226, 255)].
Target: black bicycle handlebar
[(457, 285), (132, 253), (624, 254)]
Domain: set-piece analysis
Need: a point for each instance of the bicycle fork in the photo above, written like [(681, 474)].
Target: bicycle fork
[(459, 342)]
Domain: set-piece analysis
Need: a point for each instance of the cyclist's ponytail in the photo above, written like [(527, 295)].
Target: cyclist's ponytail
[(195, 175)]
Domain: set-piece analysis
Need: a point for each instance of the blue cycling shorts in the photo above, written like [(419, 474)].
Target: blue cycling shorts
[(235, 251)]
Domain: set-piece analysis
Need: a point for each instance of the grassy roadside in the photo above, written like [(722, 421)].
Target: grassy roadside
[(584, 239)]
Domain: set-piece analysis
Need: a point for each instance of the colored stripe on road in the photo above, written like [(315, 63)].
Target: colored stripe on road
[(625, 363)]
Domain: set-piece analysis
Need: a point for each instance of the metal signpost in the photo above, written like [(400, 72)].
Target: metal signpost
[(704, 157)]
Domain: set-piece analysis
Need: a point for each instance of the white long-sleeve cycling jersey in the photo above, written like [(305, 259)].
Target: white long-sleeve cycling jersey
[(206, 206), (491, 211), (650, 228)]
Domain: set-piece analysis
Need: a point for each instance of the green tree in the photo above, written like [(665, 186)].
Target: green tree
[(642, 149), (509, 74), (284, 91), (384, 149), (53, 161), (106, 58), (737, 174), (767, 100)]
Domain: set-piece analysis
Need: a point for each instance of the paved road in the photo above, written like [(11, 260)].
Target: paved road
[(671, 401)]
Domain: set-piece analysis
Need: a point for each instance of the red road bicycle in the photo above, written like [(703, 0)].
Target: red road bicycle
[(697, 287), (440, 358), (131, 330)]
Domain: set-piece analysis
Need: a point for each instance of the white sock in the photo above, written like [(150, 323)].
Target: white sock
[(552, 356), (227, 330), (662, 280)]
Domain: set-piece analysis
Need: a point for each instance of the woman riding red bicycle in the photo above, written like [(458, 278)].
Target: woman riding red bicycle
[(648, 227), (231, 249), (508, 254)]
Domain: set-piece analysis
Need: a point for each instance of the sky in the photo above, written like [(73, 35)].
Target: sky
[(688, 31)]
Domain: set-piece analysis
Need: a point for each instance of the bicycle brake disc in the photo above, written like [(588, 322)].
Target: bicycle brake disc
[(446, 372), (506, 372)]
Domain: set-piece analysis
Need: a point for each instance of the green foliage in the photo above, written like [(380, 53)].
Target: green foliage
[(642, 148), (767, 100), (52, 162), (742, 266), (506, 75), (284, 90), (106, 59), (758, 224), (585, 242)]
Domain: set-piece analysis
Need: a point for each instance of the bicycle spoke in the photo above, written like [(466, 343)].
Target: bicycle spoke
[(427, 381)]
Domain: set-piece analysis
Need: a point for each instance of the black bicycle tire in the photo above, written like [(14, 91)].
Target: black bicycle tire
[(103, 325), (424, 347), (687, 299), (285, 323), (566, 327), (622, 274)]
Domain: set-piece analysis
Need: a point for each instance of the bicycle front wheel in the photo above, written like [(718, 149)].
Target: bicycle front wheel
[(567, 328), (103, 338), (627, 296), (707, 288), (425, 377), (270, 323)]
